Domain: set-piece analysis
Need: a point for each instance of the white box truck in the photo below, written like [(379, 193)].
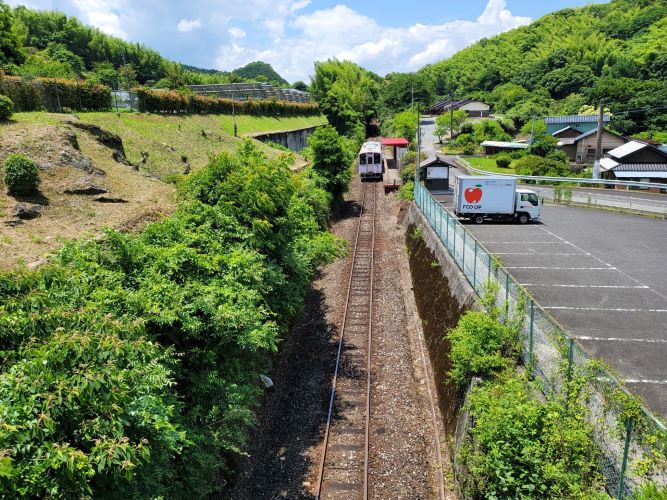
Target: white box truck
[(494, 197)]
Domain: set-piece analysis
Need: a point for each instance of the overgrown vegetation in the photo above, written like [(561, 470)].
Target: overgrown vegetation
[(21, 175), (518, 446), (130, 364)]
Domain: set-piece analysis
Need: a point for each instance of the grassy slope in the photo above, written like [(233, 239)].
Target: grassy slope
[(167, 138)]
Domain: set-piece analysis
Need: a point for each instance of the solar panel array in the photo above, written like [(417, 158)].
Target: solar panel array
[(256, 91)]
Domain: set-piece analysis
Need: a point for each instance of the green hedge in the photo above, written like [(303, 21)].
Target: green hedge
[(167, 101), (54, 94), (130, 364)]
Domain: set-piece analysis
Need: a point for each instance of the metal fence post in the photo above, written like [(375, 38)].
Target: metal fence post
[(463, 259), (532, 329), (626, 448), (489, 266), (570, 356), (474, 269), (454, 245)]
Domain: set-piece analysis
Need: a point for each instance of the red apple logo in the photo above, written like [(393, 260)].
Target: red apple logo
[(473, 195)]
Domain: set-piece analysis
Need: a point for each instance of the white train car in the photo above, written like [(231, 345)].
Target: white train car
[(371, 164)]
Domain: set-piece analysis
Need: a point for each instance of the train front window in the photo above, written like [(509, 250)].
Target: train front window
[(376, 157), (362, 159)]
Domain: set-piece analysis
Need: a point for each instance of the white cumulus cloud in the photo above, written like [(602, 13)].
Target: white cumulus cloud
[(236, 32), (187, 25), (103, 14), (344, 33)]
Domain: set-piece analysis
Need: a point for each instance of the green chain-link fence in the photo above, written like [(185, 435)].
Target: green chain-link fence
[(625, 443)]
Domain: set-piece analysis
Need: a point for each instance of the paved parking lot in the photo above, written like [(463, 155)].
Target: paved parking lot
[(603, 276)]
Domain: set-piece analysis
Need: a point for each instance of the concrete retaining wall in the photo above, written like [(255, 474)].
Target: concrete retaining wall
[(294, 140)]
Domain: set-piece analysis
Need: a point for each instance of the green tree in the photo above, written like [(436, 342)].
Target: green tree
[(404, 124), (347, 95), (11, 50), (128, 76), (332, 159), (446, 122), (175, 76)]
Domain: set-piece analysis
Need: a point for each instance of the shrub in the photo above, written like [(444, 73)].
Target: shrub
[(21, 175), (503, 161), (524, 448), (6, 108), (481, 346), (536, 165), (469, 149)]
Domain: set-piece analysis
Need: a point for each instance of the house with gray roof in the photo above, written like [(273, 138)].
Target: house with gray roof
[(580, 147), (635, 161), (474, 108)]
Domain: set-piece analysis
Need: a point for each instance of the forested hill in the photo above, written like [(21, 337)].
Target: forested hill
[(259, 70), (615, 51), (53, 45)]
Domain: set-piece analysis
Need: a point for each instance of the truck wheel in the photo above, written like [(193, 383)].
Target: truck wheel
[(478, 219), (523, 218)]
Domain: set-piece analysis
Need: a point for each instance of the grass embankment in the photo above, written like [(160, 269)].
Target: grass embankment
[(488, 164), (169, 140)]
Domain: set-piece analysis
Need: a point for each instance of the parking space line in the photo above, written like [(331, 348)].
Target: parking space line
[(565, 285), (619, 339), (523, 242), (642, 381), (534, 253), (612, 309), (601, 261), (563, 268)]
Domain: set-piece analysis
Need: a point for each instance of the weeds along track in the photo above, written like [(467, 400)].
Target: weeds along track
[(343, 471)]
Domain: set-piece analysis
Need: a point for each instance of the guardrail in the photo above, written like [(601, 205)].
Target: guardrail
[(579, 180), (554, 356)]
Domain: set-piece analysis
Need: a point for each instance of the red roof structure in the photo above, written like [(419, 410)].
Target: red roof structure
[(396, 142)]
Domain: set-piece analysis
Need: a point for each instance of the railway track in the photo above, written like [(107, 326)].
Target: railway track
[(343, 471)]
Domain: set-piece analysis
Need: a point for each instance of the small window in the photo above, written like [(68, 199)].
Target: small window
[(376, 158), (532, 198), (362, 159)]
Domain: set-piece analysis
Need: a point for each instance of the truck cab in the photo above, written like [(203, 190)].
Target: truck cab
[(527, 202)]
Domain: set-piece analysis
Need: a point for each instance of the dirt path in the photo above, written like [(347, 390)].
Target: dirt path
[(285, 450)]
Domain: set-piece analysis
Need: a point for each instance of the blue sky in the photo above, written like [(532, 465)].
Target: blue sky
[(383, 36)]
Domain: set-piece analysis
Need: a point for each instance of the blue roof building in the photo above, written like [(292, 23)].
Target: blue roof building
[(583, 123)]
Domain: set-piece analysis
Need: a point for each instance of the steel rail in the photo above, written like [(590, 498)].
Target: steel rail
[(327, 433)]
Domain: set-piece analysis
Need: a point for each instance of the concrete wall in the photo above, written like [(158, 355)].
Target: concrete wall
[(442, 295), (294, 140)]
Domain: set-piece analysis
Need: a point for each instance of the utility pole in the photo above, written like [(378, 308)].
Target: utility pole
[(451, 118), (598, 145), (419, 146), (127, 82), (234, 118), (532, 137)]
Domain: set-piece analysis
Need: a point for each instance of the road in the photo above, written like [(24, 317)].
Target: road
[(629, 200)]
